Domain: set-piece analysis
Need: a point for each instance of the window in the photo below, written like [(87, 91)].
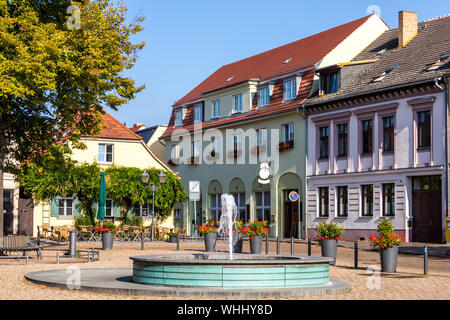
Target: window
[(176, 151), (198, 113), (195, 149), (141, 210), (237, 143), (323, 202), (239, 198), (261, 137), (65, 207), (109, 208), (367, 127), (8, 194), (329, 82), (287, 132), (177, 213), (178, 118), (389, 199), (342, 205), (263, 96), (105, 153), (367, 200), (214, 145), (388, 133), (424, 129), (216, 109), (323, 142), (427, 183), (263, 206), (342, 130), (290, 89), (237, 103), (215, 210)]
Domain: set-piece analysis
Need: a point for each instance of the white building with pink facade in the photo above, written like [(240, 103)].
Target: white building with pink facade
[(377, 132)]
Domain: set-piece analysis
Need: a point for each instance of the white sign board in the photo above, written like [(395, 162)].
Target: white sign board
[(194, 190)]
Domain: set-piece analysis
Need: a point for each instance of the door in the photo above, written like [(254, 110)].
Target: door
[(427, 210), (26, 207), (8, 209), (290, 216)]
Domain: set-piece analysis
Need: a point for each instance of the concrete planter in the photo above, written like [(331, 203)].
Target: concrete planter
[(256, 244), (107, 240), (329, 249), (237, 244), (389, 257), (210, 242)]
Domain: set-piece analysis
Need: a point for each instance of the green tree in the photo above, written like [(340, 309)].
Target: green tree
[(57, 74)]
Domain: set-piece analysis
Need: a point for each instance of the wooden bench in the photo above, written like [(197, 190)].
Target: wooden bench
[(16, 243)]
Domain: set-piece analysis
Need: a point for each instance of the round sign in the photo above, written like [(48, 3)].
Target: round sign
[(293, 196)]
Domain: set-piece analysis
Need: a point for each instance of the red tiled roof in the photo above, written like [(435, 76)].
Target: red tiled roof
[(114, 129), (303, 54)]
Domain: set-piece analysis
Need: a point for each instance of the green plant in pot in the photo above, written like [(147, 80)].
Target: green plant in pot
[(238, 227), (173, 237), (256, 230), (210, 235), (328, 235), (388, 242), (108, 229)]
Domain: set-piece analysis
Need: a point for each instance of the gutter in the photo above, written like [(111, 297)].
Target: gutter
[(304, 206)]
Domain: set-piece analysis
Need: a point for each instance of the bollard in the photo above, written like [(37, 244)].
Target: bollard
[(278, 244), (73, 243), (309, 247), (57, 257), (356, 254), (425, 260), (39, 238), (292, 246), (267, 244), (142, 240), (178, 240)]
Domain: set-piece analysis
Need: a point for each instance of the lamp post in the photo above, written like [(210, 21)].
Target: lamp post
[(162, 179)]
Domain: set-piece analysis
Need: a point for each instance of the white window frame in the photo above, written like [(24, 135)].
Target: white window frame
[(239, 196), (263, 207), (290, 89), (176, 151), (105, 153), (178, 117), (216, 210), (263, 96), (195, 149), (215, 109), (198, 113), (290, 127), (237, 103), (65, 207), (141, 207), (237, 142), (111, 215), (177, 214)]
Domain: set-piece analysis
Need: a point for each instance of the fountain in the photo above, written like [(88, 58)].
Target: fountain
[(227, 219)]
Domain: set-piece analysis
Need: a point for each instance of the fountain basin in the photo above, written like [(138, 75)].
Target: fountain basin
[(243, 272)]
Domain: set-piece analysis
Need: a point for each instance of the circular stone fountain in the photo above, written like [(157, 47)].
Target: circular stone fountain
[(243, 272)]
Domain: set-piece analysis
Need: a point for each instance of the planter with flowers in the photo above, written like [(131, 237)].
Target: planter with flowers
[(237, 236), (328, 235), (173, 237), (107, 230), (388, 242), (209, 231), (256, 230)]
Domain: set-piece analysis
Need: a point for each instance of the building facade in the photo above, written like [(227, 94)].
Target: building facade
[(245, 114), (377, 136)]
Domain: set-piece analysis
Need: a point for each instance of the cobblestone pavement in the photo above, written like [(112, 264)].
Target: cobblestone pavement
[(408, 283)]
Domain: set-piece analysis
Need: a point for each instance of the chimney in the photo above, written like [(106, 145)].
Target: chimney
[(407, 27)]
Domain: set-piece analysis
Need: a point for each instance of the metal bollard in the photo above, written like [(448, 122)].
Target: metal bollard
[(292, 246), (267, 244), (73, 243), (309, 247), (178, 240), (425, 260), (278, 244), (39, 238), (142, 241), (356, 254), (57, 257)]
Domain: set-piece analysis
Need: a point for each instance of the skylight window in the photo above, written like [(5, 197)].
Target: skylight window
[(443, 59), (287, 61), (379, 53), (229, 79), (388, 71)]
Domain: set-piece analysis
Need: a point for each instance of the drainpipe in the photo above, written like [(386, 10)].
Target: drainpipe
[(446, 144), (302, 107)]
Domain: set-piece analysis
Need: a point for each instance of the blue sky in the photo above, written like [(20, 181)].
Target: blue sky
[(189, 40)]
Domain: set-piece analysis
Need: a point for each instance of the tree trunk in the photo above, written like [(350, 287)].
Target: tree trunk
[(1, 196)]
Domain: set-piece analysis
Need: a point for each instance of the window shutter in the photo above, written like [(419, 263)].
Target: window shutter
[(54, 210), (76, 207), (116, 209)]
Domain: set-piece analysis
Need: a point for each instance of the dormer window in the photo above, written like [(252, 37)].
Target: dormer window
[(443, 59), (263, 96), (290, 89), (329, 82), (216, 109), (388, 71), (178, 117), (237, 103), (198, 113)]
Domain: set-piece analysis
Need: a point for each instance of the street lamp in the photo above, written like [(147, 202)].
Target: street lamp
[(162, 179)]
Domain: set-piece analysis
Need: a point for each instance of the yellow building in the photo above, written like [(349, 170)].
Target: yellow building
[(116, 145)]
